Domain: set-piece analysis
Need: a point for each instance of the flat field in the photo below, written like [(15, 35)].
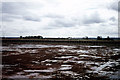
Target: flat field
[(60, 61)]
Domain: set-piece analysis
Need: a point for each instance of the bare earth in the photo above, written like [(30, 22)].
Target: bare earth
[(60, 61)]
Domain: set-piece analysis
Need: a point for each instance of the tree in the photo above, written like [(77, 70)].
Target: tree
[(99, 38), (86, 37), (40, 37), (108, 38), (20, 36)]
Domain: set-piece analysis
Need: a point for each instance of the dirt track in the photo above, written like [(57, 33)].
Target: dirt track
[(51, 61)]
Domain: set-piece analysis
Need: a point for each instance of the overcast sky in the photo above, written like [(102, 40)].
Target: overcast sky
[(60, 18)]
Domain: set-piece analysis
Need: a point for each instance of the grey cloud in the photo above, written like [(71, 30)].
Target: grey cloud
[(59, 21), (110, 24), (72, 22), (93, 18), (63, 23), (49, 28), (9, 18), (20, 8), (54, 16), (32, 18), (17, 10), (14, 10), (13, 7), (115, 6), (112, 19), (114, 24)]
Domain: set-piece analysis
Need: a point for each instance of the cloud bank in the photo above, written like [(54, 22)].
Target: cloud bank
[(58, 18)]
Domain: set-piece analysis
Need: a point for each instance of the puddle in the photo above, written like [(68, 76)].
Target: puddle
[(40, 46), (95, 46), (101, 67), (69, 73), (54, 61), (30, 75), (79, 51), (64, 58), (66, 65), (116, 49), (40, 71), (65, 68)]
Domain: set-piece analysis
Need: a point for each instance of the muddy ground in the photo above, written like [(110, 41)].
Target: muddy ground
[(60, 61)]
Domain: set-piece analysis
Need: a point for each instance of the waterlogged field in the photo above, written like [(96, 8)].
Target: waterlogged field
[(65, 61)]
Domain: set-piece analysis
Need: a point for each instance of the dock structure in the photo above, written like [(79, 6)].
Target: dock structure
[(94, 42)]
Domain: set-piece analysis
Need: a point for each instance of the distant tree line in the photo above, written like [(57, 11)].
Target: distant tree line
[(86, 37), (31, 37), (100, 38)]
